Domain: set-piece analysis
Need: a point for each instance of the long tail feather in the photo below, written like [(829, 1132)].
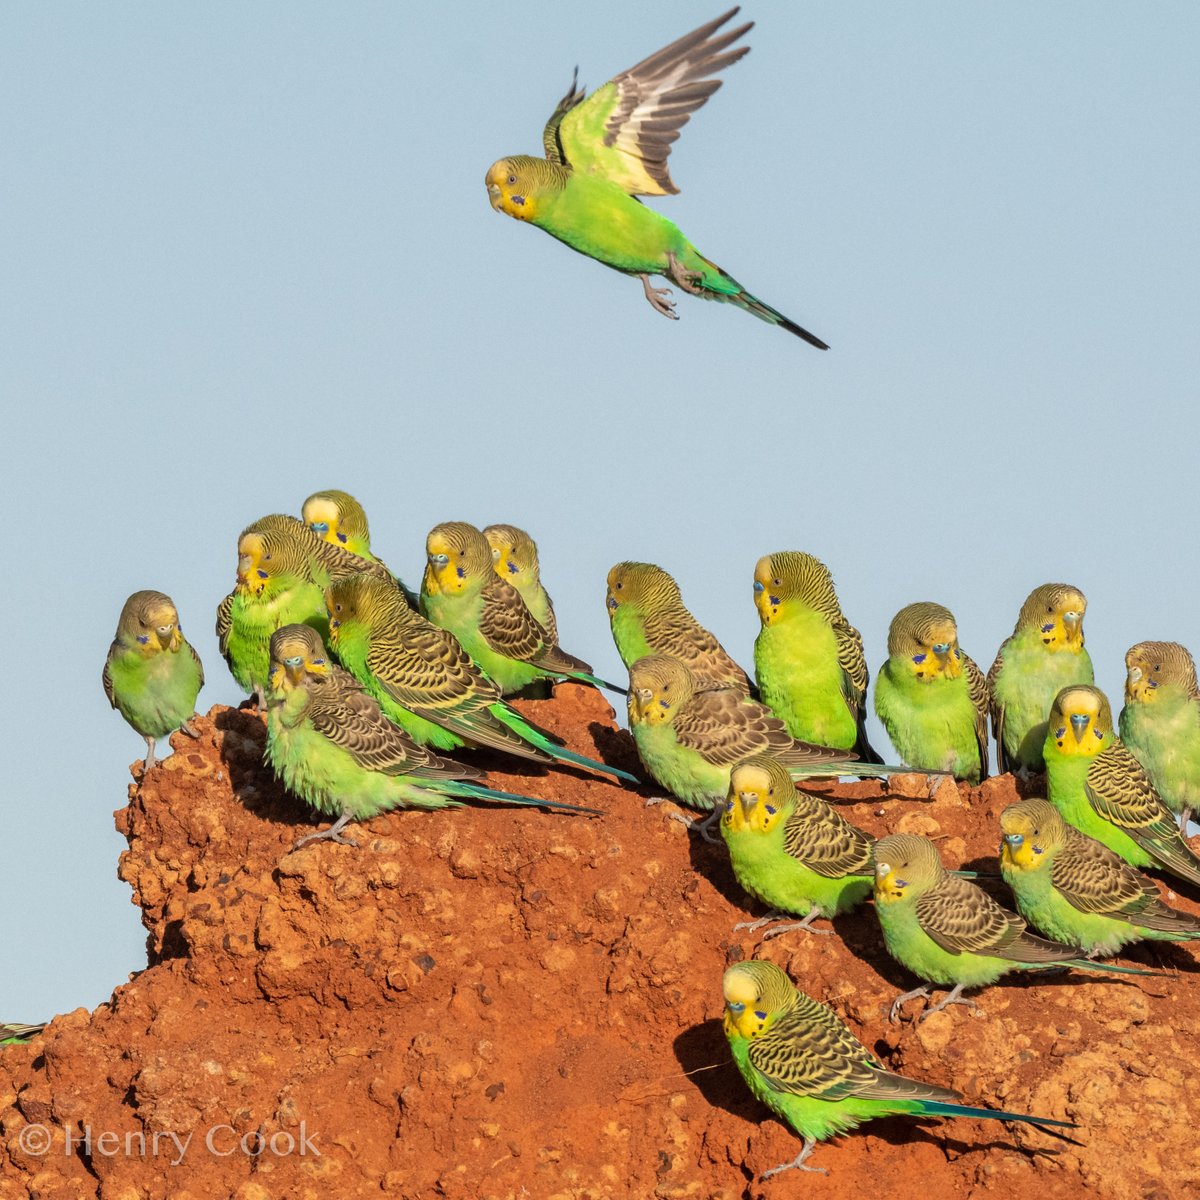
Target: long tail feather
[(941, 1108), (1087, 964), (536, 737), (596, 681), (474, 792)]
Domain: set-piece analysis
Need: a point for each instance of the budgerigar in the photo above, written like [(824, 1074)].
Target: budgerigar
[(604, 151), (931, 697), (1160, 722), (805, 1065), (1044, 655), (808, 658), (946, 930), (648, 616), (792, 850), (1099, 786), (15, 1035), (426, 682), (1078, 891), (463, 593), (330, 744), (283, 570), (689, 736), (152, 675), (515, 557), (339, 519)]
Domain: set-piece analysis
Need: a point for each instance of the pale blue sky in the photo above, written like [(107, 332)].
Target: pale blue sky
[(248, 253)]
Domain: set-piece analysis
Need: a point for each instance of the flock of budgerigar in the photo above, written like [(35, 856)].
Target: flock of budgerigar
[(367, 685)]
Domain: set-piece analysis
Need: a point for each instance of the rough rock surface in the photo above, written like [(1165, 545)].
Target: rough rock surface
[(512, 1003)]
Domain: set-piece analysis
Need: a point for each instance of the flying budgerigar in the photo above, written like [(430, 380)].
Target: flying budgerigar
[(426, 682), (808, 658), (152, 675), (931, 697), (338, 517), (792, 850), (1160, 722), (283, 570), (648, 616), (329, 743), (14, 1035), (463, 593), (604, 151), (1099, 786), (947, 930), (1076, 890), (805, 1065), (1044, 655), (689, 736), (515, 557)]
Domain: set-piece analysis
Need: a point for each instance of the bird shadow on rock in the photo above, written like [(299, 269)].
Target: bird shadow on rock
[(253, 783), (703, 1053), (711, 859), (616, 748), (902, 1131), (1162, 956)]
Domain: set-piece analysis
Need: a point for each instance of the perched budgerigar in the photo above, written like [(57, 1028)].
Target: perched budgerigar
[(808, 658), (604, 151), (1044, 655), (515, 557), (648, 616), (338, 518), (330, 744), (946, 930), (1099, 786), (689, 736), (805, 1065), (931, 697), (283, 570), (14, 1035), (463, 593), (792, 850), (1078, 891), (152, 675), (1160, 722), (426, 682)]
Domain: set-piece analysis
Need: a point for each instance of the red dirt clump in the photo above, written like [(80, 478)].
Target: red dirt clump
[(512, 1003)]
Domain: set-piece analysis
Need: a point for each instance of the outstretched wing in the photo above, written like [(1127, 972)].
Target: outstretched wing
[(624, 130)]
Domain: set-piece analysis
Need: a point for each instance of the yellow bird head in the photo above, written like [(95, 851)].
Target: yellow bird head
[(337, 518), (1080, 721), (458, 559), (1032, 831), (149, 623), (1056, 611), (514, 555), (761, 795), (515, 185), (906, 867), (272, 547), (924, 638), (297, 653), (1153, 665), (755, 991), (658, 687), (368, 600), (793, 575), (641, 587)]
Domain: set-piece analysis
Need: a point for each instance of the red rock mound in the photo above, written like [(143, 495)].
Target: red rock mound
[(512, 1003)]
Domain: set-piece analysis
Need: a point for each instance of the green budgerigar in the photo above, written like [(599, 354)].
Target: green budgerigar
[(1160, 722), (792, 850), (946, 930), (1076, 890), (427, 683), (648, 616), (339, 519), (515, 558), (330, 744), (805, 1065), (808, 658), (462, 592), (605, 150), (15, 1035), (689, 736), (1099, 786), (152, 675), (931, 697), (1044, 655), (283, 570)]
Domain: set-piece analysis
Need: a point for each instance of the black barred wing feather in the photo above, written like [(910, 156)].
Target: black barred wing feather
[(724, 727), (824, 841), (1093, 879), (977, 689)]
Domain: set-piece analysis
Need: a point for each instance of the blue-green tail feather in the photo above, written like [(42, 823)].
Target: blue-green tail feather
[(939, 1108), (544, 742)]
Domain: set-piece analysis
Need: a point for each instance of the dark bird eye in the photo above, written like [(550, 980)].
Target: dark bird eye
[(512, 181)]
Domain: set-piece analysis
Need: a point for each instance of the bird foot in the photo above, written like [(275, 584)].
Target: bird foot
[(951, 997), (688, 280), (658, 299), (187, 728), (260, 698), (903, 999), (797, 1163), (332, 834), (761, 921), (805, 924), (937, 782), (701, 825), (150, 761)]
